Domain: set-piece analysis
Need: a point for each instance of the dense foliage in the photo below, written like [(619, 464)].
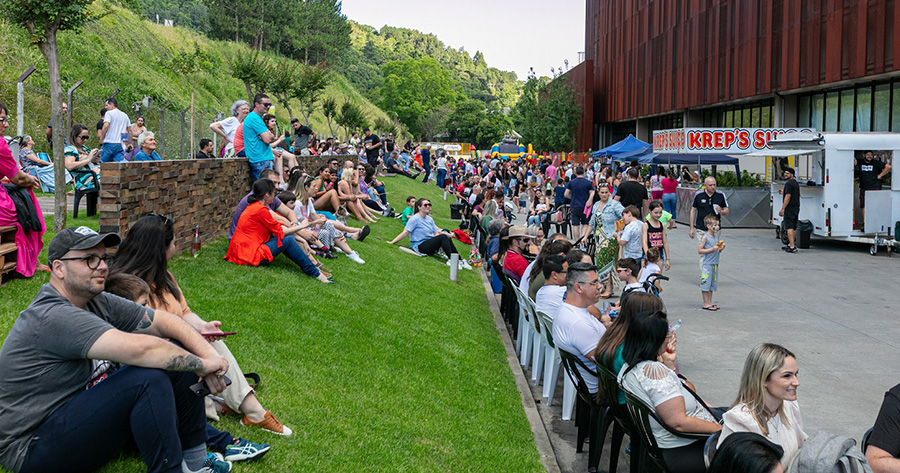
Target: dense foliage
[(472, 123), (414, 87), (547, 113)]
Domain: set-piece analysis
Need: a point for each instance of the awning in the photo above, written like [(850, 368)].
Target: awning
[(779, 153), (628, 144)]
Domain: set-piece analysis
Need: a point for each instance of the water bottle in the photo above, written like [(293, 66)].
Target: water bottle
[(675, 327), (195, 244)]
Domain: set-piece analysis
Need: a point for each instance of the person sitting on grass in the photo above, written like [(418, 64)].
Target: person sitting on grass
[(393, 167), (145, 252), (277, 206), (408, 211), (424, 235), (367, 175), (322, 232), (258, 238), (54, 421), (147, 143), (326, 195), (352, 196), (233, 449)]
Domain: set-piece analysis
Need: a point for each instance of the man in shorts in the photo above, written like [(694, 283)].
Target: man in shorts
[(790, 209), (579, 189)]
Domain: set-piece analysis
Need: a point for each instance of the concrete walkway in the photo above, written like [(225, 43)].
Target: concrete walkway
[(47, 205), (834, 306)]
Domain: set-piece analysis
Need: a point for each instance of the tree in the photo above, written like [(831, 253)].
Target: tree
[(463, 123), (329, 109), (253, 69), (43, 19), (561, 111), (321, 32), (413, 88), (491, 129), (312, 81), (434, 123), (284, 81), (351, 117)]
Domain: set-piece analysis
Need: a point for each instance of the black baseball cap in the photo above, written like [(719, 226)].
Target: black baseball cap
[(365, 128), (78, 238)]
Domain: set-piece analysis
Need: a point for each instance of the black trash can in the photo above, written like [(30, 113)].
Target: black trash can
[(456, 211), (804, 230)]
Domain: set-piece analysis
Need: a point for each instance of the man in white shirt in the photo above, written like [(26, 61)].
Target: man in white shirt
[(551, 295), (575, 330), (115, 135)]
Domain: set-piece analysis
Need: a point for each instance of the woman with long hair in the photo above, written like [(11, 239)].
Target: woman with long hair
[(670, 196), (766, 403), (352, 197), (79, 157), (647, 341), (604, 215), (424, 236), (258, 238), (609, 351), (145, 252), (325, 193)]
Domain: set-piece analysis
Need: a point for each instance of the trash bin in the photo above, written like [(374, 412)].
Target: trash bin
[(456, 211), (804, 229)]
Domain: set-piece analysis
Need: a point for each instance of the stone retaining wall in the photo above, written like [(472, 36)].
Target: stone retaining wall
[(192, 192)]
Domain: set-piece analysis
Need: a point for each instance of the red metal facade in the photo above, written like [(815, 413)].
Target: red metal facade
[(657, 56), (581, 79)]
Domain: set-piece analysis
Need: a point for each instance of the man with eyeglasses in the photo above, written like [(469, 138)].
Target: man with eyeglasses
[(551, 295), (53, 421), (257, 137), (514, 263), (575, 330)]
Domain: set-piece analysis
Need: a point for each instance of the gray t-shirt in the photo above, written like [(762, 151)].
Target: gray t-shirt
[(711, 258), (43, 361)]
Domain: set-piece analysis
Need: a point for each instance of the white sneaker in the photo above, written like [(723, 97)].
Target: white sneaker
[(464, 264), (355, 257)]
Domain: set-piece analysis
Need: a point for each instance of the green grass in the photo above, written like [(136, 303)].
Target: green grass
[(393, 368)]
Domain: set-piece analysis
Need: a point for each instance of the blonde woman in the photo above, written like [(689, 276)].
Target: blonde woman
[(352, 198), (767, 400)]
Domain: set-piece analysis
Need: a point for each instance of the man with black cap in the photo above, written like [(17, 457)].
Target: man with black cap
[(52, 420), (790, 208)]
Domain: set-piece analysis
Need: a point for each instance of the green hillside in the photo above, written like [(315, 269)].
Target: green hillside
[(122, 50)]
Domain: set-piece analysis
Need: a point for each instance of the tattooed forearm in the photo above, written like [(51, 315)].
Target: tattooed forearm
[(147, 321), (184, 363)]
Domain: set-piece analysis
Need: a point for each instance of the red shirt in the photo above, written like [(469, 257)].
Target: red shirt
[(669, 185), (239, 139), (255, 227), (514, 265)]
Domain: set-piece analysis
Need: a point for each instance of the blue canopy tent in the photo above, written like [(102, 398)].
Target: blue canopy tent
[(628, 144), (647, 156)]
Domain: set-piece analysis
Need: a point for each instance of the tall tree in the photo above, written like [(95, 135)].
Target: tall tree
[(284, 81), (351, 117), (253, 69), (44, 19), (312, 80), (329, 109), (414, 87), (547, 113)]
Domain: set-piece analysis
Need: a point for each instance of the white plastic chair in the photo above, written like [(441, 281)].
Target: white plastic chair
[(538, 341), (525, 337)]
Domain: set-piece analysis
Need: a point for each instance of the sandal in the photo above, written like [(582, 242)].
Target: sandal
[(712, 308), (253, 380)]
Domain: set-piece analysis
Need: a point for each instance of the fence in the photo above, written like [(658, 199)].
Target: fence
[(171, 124)]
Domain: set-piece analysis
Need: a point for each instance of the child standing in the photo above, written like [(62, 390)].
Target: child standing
[(654, 232), (710, 248), (630, 237)]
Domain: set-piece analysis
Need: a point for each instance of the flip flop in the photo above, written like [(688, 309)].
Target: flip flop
[(364, 233), (712, 308)]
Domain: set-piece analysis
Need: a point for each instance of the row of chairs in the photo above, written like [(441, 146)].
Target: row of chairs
[(594, 413)]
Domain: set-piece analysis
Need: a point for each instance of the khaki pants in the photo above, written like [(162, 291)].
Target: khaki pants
[(239, 389)]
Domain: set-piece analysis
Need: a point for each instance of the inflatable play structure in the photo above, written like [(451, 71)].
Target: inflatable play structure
[(510, 148)]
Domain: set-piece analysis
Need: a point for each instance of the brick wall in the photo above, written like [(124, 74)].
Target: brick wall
[(192, 192)]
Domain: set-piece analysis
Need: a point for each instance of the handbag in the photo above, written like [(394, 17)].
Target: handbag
[(556, 217)]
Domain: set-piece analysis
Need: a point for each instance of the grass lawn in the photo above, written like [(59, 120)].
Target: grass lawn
[(393, 368)]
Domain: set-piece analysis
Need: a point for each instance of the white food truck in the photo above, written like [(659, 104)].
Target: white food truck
[(829, 190)]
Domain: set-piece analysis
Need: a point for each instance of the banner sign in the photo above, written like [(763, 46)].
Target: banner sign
[(717, 140)]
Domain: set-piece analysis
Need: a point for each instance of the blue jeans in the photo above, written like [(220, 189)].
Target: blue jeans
[(291, 248), (112, 153), (382, 194), (441, 177), (257, 167), (218, 440), (670, 202), (426, 163), (534, 220), (154, 407)]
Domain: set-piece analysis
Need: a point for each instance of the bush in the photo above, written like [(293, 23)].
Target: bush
[(729, 179)]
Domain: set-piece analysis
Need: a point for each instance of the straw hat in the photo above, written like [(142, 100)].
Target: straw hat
[(517, 231)]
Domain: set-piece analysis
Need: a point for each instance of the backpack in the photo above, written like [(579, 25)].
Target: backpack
[(825, 452)]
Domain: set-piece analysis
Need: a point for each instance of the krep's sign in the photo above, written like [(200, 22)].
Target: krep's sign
[(717, 140)]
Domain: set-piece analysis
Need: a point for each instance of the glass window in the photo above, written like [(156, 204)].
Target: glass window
[(895, 121), (831, 111), (765, 118), (864, 109), (847, 110), (745, 120), (882, 105), (818, 111), (803, 111), (754, 117), (728, 122)]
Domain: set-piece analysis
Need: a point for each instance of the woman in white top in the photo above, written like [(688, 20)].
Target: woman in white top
[(767, 400), (648, 374)]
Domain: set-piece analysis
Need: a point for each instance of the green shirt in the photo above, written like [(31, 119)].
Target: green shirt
[(407, 212)]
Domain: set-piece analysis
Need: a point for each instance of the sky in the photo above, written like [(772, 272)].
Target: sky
[(512, 35)]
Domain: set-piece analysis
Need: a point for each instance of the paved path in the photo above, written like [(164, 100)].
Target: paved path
[(47, 208), (834, 306)]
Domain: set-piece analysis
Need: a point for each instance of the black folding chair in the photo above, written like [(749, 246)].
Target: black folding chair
[(592, 414), (609, 388)]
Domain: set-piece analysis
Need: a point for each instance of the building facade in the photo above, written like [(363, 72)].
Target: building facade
[(833, 65)]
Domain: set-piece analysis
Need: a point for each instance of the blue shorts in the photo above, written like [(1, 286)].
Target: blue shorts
[(709, 277)]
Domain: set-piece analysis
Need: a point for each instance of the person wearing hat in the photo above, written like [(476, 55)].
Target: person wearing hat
[(424, 236), (53, 420), (514, 263), (790, 208)]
